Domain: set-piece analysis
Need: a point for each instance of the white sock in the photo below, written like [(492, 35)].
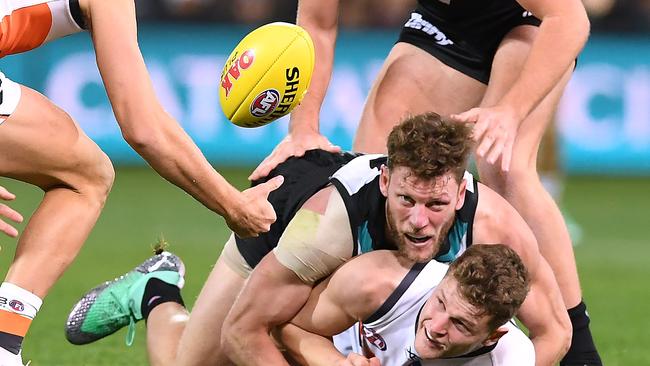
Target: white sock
[(18, 300)]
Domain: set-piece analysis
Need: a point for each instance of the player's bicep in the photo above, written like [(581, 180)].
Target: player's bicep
[(325, 311)]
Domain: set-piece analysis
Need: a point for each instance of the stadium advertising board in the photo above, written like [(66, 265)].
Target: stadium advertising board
[(604, 118)]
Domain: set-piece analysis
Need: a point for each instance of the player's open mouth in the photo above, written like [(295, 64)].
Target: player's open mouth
[(433, 342), (418, 240)]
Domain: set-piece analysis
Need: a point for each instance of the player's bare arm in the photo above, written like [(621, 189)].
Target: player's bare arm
[(8, 213), (320, 19), (351, 294), (280, 284), (562, 34), (543, 312), (153, 133)]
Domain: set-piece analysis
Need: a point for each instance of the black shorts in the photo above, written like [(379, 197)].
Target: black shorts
[(303, 177), (465, 34)]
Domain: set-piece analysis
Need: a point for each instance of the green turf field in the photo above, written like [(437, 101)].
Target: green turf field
[(613, 261)]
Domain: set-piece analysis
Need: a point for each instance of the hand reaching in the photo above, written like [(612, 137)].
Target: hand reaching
[(254, 214), (495, 131), (293, 145)]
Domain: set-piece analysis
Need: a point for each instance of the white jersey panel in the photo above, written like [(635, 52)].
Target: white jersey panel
[(357, 173), (392, 336)]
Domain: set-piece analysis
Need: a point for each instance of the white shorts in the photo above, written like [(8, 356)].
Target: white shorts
[(28, 24), (9, 97)]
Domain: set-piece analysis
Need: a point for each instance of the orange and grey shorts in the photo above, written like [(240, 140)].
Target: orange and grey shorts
[(28, 24)]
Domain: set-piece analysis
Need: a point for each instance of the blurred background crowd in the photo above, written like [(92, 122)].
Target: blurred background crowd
[(606, 15)]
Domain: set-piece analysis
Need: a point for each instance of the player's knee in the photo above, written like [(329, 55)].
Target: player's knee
[(95, 176), (387, 105)]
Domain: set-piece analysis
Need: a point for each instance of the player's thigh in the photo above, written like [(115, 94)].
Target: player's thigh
[(410, 82), (42, 145), (506, 67), (200, 343)]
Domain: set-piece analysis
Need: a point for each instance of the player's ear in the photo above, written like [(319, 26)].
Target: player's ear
[(495, 336), (462, 188), (384, 178)]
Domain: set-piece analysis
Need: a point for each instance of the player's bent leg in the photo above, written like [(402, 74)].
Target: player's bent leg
[(521, 186), (127, 299), (200, 343), (165, 325), (41, 145), (411, 81)]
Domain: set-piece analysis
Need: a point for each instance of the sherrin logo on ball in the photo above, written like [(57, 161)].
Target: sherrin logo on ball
[(267, 74)]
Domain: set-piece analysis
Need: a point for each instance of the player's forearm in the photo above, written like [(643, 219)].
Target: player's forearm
[(171, 152), (308, 349), (557, 44), (320, 21), (545, 316), (548, 350), (155, 135), (251, 348)]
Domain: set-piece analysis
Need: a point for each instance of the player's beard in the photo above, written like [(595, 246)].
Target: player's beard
[(406, 250)]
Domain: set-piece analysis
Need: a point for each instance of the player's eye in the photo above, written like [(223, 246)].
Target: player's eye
[(406, 200), (460, 326)]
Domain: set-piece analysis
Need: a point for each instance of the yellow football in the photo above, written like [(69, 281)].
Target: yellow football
[(267, 74)]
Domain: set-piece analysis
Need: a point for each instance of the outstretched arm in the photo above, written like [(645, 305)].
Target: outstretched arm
[(153, 133), (320, 19), (562, 34)]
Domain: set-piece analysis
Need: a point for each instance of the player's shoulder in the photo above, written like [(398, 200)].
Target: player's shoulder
[(492, 213), (366, 281), (359, 171)]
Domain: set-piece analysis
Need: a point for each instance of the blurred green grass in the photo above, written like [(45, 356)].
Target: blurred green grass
[(613, 260)]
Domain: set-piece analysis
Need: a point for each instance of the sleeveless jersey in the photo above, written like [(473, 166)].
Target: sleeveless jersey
[(28, 24), (356, 178), (389, 333), (358, 184)]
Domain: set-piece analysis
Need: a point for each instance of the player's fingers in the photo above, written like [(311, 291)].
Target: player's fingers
[(496, 151), (10, 213), (268, 164), (328, 146), (470, 116), (6, 195), (374, 362), (8, 229), (506, 157), (272, 184), (485, 144)]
